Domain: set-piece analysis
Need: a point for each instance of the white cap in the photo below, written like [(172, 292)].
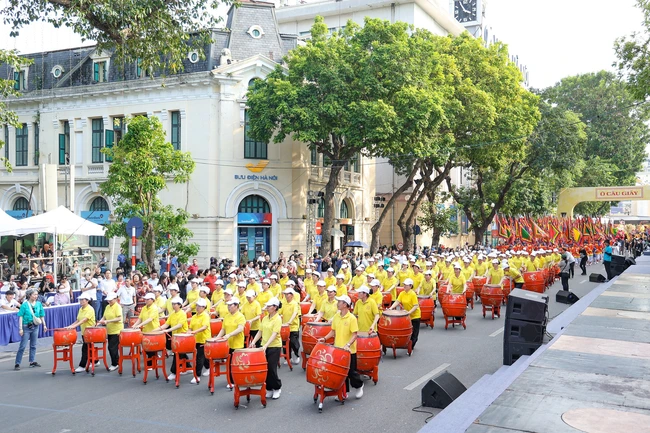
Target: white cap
[(428, 272), (177, 300), (408, 281), (234, 300), (274, 276), (363, 289), (250, 293), (290, 283), (227, 292), (219, 282), (495, 261), (428, 263), (344, 266), (321, 283), (241, 284), (232, 276), (266, 281), (201, 303), (371, 259), (150, 296), (375, 283), (341, 276), (289, 291), (273, 301), (344, 298), (195, 280), (457, 266), (111, 296), (308, 271), (252, 275), (331, 289), (316, 273), (555, 250), (85, 296), (205, 289), (158, 289), (284, 270), (467, 260), (390, 269), (371, 276), (330, 269), (359, 268), (416, 264), (505, 265)]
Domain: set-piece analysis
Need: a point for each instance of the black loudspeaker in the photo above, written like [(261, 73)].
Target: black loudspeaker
[(566, 297), (440, 391), (519, 331), (513, 351), (629, 261), (597, 278), (618, 260), (527, 306)]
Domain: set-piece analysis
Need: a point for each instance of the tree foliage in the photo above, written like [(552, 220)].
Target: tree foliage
[(143, 163), (157, 33), (438, 218), (633, 54)]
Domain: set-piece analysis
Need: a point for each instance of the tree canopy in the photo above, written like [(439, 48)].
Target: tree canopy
[(7, 90)]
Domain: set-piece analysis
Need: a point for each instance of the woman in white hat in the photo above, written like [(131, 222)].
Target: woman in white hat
[(408, 300), (85, 318), (233, 329), (176, 324), (271, 342), (457, 280), (290, 313), (494, 274), (114, 322), (251, 311), (265, 294), (193, 294), (200, 328)]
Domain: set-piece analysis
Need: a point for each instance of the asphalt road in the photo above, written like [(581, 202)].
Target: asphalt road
[(32, 400)]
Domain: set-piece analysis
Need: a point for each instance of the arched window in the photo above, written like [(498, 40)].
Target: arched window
[(343, 211), (321, 208), (21, 203), (254, 204), (251, 83), (98, 205)]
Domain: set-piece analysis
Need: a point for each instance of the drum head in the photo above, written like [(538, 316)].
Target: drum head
[(395, 313)]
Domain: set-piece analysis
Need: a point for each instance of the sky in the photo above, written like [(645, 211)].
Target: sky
[(553, 38)]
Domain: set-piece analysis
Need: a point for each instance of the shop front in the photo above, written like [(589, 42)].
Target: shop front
[(254, 221)]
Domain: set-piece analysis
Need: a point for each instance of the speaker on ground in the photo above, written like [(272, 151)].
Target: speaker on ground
[(526, 305), (519, 331), (440, 391), (597, 278), (566, 297), (513, 351)]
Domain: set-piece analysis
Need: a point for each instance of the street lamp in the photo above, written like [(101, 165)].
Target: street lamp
[(486, 231)]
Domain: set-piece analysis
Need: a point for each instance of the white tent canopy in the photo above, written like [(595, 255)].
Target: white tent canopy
[(60, 221), (8, 225)]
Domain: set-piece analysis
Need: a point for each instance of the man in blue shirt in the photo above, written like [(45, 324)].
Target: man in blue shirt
[(607, 259)]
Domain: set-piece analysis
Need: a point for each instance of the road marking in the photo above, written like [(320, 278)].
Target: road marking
[(12, 358), (497, 332), (583, 281), (426, 377)]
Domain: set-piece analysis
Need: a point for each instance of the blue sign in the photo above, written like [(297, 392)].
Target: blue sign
[(96, 216), (19, 214), (255, 218), (317, 240), (136, 223), (243, 232)]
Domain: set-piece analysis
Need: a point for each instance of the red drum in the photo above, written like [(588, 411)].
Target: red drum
[(491, 298), (507, 287), (395, 329), (249, 367), (305, 308), (399, 290), (215, 326), (130, 337), (387, 299), (306, 318), (247, 329), (534, 281), (216, 348), (183, 343), (153, 341), (132, 321), (162, 320), (426, 309), (284, 332), (312, 332), (188, 314), (354, 296), (95, 334), (368, 353), (469, 293), (65, 337), (328, 366), (443, 292), (479, 282), (454, 305)]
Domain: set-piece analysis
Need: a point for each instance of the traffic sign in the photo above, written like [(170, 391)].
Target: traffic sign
[(400, 245), (319, 228), (137, 223)]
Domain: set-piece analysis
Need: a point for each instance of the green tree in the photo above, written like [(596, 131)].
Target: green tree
[(633, 54), (7, 91), (374, 90), (143, 163), (157, 33), (438, 218)]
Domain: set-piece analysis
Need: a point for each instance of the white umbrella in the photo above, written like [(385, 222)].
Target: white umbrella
[(8, 224)]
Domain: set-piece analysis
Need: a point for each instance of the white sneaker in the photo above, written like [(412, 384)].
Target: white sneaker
[(171, 376), (183, 373), (284, 361), (113, 368), (359, 393), (229, 387), (269, 394), (296, 360), (276, 394), (195, 381), (79, 370), (206, 373)]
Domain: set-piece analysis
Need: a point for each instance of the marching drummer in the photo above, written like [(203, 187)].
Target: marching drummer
[(265, 295), (222, 307), (428, 286), (176, 324), (169, 306), (344, 330), (251, 311), (408, 300), (148, 319), (375, 292), (193, 294), (319, 296), (389, 285), (200, 328), (272, 345), (160, 301), (217, 295), (513, 274), (232, 329), (341, 288), (366, 311), (85, 318), (457, 281), (114, 324), (329, 307), (290, 313), (494, 274)]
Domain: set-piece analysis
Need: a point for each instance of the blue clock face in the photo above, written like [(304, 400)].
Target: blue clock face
[(466, 11)]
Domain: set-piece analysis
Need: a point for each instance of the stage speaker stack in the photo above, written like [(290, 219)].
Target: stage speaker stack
[(566, 297), (525, 326), (440, 391), (620, 264)]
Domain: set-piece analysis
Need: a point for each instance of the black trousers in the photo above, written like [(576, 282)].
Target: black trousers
[(572, 269), (416, 331), (519, 285), (84, 354), (583, 266), (354, 378), (565, 281), (253, 335), (294, 342), (608, 269), (114, 349), (181, 355), (273, 382), (200, 359)]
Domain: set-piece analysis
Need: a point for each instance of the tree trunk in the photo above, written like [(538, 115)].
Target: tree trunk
[(376, 228), (479, 235), (405, 229), (435, 239), (328, 217)]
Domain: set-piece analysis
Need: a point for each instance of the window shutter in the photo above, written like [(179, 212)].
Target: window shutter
[(16, 80), (110, 136), (104, 76), (61, 149), (96, 72)]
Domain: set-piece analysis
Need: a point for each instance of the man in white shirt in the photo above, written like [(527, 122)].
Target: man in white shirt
[(108, 284), (126, 293), (153, 280), (89, 285), (9, 303)]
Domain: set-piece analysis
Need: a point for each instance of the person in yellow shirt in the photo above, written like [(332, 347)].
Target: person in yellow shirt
[(372, 268), (251, 311), (404, 273), (240, 294), (309, 284), (204, 291), (148, 318), (513, 274), (341, 288), (467, 270), (160, 301), (380, 273), (276, 289), (358, 280), (232, 284), (408, 300), (272, 345), (344, 330), (200, 328), (290, 313), (222, 308), (345, 270), (85, 319), (375, 293), (328, 307), (319, 297), (176, 324), (446, 269), (390, 283), (114, 324), (529, 264), (366, 311), (330, 279), (417, 277), (494, 274), (233, 329), (428, 286), (169, 308), (481, 267), (266, 294), (217, 295), (193, 294), (458, 281), (284, 277), (253, 284)]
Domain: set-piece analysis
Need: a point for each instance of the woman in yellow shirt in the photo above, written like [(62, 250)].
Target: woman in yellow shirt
[(251, 311), (319, 297), (457, 281), (272, 345), (114, 324), (266, 294), (494, 274), (328, 308), (85, 318), (193, 294), (200, 328), (233, 330), (408, 300), (176, 324), (513, 274), (428, 286), (390, 283)]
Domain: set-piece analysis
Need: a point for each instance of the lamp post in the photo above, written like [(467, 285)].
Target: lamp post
[(486, 231), (379, 205)]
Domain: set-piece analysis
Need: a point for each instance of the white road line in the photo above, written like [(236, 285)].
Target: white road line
[(13, 358), (497, 332), (426, 377), (583, 281)]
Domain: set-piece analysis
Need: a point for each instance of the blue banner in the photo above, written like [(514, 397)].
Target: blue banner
[(255, 218), (96, 216), (19, 214)]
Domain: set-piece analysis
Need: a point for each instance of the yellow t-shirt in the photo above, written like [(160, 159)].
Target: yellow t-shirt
[(408, 300), (417, 280), (530, 266), (427, 288), (269, 326), (254, 287), (330, 281), (232, 287), (495, 275), (390, 284), (177, 318), (344, 327), (86, 312), (341, 290), (457, 283), (365, 312), (264, 297), (378, 297), (161, 304), (216, 297), (252, 310), (348, 276), (232, 322), (328, 309), (447, 272), (371, 269), (222, 310), (403, 275), (287, 311), (150, 312), (358, 281), (319, 298), (515, 275), (380, 274), (283, 282), (310, 286), (467, 272), (113, 312), (197, 322), (275, 289), (481, 269), (168, 307), (192, 296)]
